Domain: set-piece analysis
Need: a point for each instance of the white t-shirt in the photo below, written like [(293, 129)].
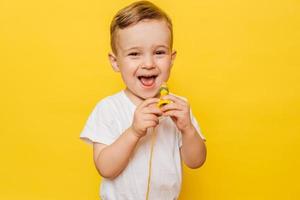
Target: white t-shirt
[(109, 119)]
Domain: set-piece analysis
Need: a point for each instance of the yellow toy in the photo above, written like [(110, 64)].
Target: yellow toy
[(163, 92)]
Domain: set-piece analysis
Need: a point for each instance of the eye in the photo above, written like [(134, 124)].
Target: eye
[(133, 54), (160, 52)]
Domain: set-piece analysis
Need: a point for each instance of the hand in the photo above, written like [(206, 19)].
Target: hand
[(145, 116), (179, 111)]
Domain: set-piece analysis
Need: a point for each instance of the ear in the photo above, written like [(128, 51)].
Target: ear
[(113, 61), (173, 56)]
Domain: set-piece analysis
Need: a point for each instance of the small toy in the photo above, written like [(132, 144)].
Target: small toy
[(163, 92)]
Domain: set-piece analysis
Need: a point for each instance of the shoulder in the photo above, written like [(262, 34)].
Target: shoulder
[(110, 101), (111, 105)]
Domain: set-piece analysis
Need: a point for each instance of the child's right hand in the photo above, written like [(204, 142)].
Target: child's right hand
[(146, 116)]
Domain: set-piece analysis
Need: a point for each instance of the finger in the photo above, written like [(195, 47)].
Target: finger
[(176, 99), (151, 117), (152, 110), (172, 106), (173, 113), (149, 124), (148, 102)]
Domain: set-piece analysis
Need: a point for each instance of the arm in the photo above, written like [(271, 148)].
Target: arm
[(111, 160), (193, 150)]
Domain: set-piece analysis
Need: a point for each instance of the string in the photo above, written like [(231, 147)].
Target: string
[(153, 138)]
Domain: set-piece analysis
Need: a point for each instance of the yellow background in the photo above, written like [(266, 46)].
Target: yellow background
[(238, 64)]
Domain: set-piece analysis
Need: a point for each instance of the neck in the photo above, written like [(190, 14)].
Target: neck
[(136, 100)]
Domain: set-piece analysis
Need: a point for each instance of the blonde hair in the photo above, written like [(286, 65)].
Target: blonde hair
[(134, 13)]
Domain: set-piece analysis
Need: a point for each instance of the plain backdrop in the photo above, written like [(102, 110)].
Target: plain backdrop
[(238, 64)]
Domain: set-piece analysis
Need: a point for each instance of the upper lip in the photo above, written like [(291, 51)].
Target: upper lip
[(147, 75)]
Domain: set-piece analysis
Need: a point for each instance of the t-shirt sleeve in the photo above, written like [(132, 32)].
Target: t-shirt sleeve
[(99, 126), (196, 125)]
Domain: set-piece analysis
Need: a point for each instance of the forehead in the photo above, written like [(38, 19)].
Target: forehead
[(144, 34)]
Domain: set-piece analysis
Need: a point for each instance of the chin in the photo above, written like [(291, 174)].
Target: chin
[(147, 96)]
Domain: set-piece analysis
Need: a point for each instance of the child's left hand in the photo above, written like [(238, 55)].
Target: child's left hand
[(179, 111)]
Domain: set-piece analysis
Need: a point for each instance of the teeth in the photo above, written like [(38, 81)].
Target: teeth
[(147, 76)]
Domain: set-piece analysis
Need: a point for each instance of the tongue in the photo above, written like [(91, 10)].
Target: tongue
[(147, 81)]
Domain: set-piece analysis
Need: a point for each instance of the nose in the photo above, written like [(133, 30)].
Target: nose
[(148, 62)]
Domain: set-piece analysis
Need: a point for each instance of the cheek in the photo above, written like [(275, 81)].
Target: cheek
[(129, 67), (164, 64)]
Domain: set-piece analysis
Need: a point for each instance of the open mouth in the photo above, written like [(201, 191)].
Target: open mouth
[(147, 80)]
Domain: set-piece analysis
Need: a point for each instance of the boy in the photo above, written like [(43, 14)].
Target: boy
[(121, 127)]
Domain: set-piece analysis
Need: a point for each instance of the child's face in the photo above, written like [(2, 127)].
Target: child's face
[(144, 57)]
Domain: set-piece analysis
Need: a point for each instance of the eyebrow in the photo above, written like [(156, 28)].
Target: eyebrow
[(136, 47), (164, 46), (131, 48)]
